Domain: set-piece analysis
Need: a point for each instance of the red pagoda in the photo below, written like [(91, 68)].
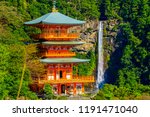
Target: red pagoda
[(58, 34)]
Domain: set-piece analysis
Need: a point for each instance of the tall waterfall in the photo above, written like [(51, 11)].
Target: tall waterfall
[(100, 68)]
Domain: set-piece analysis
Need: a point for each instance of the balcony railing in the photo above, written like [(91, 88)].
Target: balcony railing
[(75, 79), (59, 54), (56, 36)]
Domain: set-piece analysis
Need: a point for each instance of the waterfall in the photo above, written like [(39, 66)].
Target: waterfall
[(100, 64)]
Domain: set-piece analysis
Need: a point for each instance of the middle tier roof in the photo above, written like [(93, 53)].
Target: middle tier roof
[(62, 43)]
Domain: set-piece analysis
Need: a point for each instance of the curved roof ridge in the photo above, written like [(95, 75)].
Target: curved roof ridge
[(38, 20), (48, 16)]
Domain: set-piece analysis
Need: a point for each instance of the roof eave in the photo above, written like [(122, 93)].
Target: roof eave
[(48, 62), (50, 23)]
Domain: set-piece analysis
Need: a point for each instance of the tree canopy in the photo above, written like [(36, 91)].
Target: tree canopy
[(129, 64)]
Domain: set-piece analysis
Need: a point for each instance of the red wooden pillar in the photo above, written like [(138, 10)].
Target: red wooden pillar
[(74, 89), (82, 87), (67, 91), (59, 89), (54, 74), (72, 70)]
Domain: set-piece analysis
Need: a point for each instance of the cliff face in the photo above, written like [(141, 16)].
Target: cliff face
[(110, 32), (89, 36)]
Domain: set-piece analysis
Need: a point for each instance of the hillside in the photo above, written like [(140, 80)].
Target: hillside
[(126, 45)]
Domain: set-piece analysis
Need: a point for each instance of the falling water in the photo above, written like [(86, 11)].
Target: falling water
[(100, 68)]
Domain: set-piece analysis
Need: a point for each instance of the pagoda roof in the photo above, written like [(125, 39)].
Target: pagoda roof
[(55, 18), (63, 60), (62, 43)]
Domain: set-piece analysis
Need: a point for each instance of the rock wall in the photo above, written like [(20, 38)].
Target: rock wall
[(89, 36), (110, 32)]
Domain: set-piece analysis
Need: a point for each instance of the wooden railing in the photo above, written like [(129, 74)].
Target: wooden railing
[(59, 54), (50, 36), (75, 79)]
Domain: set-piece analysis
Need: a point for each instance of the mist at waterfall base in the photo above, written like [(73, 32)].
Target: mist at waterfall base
[(100, 63)]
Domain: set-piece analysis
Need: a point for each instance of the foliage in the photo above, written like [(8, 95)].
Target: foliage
[(11, 65), (36, 68), (112, 92), (11, 24), (106, 93), (128, 67), (48, 92), (62, 98), (86, 68), (12, 55)]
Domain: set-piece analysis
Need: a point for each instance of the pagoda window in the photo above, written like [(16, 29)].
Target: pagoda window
[(68, 74), (51, 75), (61, 74), (57, 75)]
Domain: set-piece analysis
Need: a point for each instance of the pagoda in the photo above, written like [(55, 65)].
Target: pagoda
[(57, 37)]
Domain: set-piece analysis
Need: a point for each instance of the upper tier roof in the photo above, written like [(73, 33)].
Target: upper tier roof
[(55, 18)]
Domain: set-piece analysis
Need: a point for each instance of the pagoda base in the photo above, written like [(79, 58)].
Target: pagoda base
[(74, 86), (61, 89), (68, 89)]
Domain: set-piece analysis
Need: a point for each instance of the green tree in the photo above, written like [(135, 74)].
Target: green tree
[(48, 92), (11, 69)]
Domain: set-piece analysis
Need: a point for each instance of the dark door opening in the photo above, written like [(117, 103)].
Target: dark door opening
[(62, 88), (61, 74)]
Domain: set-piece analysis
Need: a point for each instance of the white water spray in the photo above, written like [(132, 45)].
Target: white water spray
[(100, 65)]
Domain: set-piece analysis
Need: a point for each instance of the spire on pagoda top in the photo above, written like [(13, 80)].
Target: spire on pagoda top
[(54, 6)]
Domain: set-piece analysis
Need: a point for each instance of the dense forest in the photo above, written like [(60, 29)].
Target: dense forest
[(128, 72)]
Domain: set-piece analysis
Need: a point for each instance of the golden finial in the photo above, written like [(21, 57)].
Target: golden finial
[(54, 6)]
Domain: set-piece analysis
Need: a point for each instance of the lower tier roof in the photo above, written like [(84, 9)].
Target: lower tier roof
[(63, 60)]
